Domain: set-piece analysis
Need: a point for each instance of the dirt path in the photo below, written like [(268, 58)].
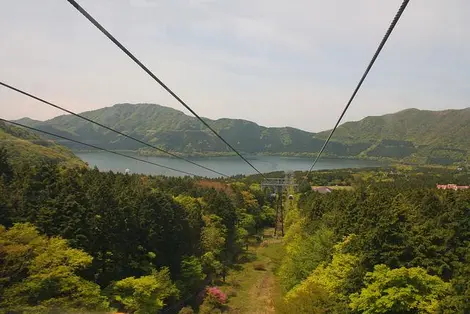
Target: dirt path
[(254, 288), (262, 295)]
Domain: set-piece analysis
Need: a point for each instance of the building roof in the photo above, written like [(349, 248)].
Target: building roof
[(322, 189), (452, 187)]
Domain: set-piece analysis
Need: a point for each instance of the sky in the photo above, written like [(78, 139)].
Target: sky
[(275, 62)]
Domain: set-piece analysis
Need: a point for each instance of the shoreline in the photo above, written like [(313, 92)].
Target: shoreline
[(229, 154), (383, 160)]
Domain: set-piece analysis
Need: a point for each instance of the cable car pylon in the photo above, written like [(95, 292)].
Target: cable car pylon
[(278, 186)]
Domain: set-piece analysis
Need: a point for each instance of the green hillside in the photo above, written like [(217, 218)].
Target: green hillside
[(173, 130), (411, 135), (28, 148)]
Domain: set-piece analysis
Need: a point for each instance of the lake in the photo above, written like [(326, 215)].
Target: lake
[(232, 165)]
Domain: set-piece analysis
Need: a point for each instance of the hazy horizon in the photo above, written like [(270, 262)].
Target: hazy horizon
[(270, 62)]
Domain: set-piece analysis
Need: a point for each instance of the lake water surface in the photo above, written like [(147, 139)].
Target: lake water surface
[(232, 165)]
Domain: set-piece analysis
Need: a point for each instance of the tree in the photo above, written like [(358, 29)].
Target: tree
[(457, 301), (211, 265), (39, 274), (193, 210), (191, 274), (241, 239), (314, 300), (6, 171), (219, 204), (305, 187), (249, 202), (267, 216), (247, 222), (146, 294), (213, 234), (304, 252), (323, 291), (5, 214), (401, 290), (246, 226)]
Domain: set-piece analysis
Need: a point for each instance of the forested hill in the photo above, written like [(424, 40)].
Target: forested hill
[(420, 126), (435, 136), (413, 135), (173, 130), (25, 147)]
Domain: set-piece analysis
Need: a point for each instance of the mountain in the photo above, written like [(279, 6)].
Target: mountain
[(423, 126), (419, 135), (23, 146), (173, 130), (412, 135)]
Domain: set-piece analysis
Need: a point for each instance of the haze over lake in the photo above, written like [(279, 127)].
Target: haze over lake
[(228, 165)]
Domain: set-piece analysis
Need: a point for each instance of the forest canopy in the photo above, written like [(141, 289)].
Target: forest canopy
[(383, 241), (80, 239)]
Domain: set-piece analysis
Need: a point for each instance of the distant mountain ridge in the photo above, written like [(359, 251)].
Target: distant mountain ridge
[(427, 127), (412, 134), (416, 135)]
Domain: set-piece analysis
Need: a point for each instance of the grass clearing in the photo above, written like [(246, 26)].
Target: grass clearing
[(252, 286)]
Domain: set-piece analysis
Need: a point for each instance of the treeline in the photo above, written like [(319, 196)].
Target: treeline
[(399, 175), (132, 242), (395, 244)]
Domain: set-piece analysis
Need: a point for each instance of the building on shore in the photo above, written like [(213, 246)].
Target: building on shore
[(454, 187)]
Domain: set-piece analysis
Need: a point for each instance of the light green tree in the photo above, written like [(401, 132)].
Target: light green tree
[(146, 294), (304, 252), (246, 226), (401, 290), (38, 274), (267, 216), (322, 291), (213, 234)]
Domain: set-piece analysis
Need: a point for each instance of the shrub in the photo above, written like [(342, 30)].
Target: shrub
[(186, 310), (259, 266), (214, 301), (216, 295)]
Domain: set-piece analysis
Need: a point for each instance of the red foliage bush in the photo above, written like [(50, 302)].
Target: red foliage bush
[(216, 294)]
